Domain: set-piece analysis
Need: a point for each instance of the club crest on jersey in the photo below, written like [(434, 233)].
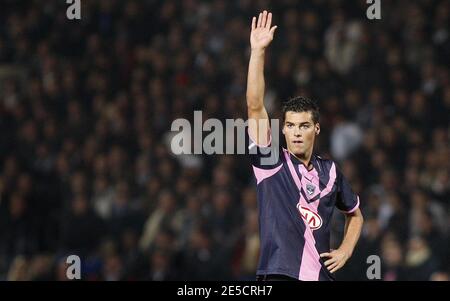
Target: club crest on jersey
[(313, 219), (310, 189)]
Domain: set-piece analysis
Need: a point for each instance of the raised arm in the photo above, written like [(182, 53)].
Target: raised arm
[(261, 36)]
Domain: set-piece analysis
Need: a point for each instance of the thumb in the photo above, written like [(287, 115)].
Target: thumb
[(272, 30)]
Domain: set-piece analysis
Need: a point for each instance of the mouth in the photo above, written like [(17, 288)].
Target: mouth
[(297, 142)]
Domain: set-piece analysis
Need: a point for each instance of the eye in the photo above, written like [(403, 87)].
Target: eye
[(290, 126), (305, 126)]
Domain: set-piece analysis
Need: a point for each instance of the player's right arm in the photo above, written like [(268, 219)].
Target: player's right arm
[(261, 36)]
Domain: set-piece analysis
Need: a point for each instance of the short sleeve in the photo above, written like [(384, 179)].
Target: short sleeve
[(264, 156), (347, 201)]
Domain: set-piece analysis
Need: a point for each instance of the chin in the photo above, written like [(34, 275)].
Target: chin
[(297, 152)]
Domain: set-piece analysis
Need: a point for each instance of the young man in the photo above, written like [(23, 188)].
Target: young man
[(298, 192)]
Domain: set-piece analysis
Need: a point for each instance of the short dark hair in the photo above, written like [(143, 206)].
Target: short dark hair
[(302, 104)]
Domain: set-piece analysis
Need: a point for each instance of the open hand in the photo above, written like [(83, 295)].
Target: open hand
[(337, 259), (262, 32)]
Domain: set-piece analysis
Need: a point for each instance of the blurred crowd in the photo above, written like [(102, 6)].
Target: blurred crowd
[(86, 108)]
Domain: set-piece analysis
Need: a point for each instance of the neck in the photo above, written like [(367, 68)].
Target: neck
[(304, 158)]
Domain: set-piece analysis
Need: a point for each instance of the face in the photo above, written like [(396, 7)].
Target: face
[(300, 132)]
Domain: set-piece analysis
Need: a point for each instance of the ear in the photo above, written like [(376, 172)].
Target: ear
[(317, 129)]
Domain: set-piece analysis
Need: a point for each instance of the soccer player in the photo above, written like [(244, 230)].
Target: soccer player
[(297, 192)]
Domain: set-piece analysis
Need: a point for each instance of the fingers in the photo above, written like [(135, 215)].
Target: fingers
[(254, 23), (334, 270), (333, 267), (324, 254), (269, 21), (330, 261), (264, 20), (334, 263), (337, 268)]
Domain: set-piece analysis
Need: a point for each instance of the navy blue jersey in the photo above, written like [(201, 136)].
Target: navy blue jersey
[(295, 209)]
